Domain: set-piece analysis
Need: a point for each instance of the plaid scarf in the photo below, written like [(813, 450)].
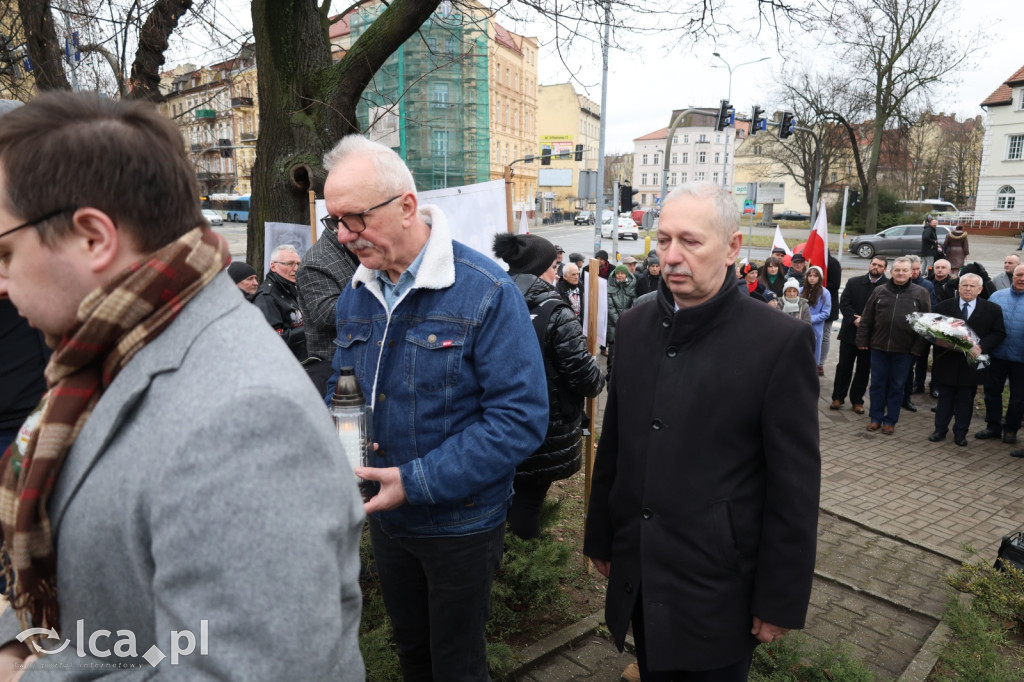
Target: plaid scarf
[(114, 323)]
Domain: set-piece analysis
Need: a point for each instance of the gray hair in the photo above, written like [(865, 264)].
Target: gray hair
[(570, 268), (914, 259), (902, 259), (1015, 254), (977, 278), (725, 211), (282, 247), (942, 260), (392, 173)]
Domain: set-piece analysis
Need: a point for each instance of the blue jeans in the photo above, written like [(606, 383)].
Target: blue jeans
[(437, 592), (888, 378), (998, 373)]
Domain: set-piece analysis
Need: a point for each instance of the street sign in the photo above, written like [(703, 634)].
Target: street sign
[(770, 193)]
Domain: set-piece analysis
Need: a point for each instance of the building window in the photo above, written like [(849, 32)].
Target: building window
[(675, 139), (714, 178), (439, 142), (699, 176), (1006, 197), (718, 157), (718, 139), (757, 150), (703, 138), (672, 179), (1020, 101), (686, 139), (833, 177), (1015, 147), (656, 157), (675, 157), (643, 178), (643, 199), (439, 95), (682, 178), (654, 178), (702, 157), (686, 157), (644, 161)]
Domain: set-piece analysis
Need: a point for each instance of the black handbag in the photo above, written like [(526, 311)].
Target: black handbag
[(1011, 549)]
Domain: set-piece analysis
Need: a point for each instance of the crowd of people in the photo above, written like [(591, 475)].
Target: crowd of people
[(141, 496)]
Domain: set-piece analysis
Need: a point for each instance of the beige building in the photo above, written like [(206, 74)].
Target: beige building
[(512, 91), (566, 120), (217, 109)]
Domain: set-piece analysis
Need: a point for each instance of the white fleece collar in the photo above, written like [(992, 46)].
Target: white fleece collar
[(437, 269)]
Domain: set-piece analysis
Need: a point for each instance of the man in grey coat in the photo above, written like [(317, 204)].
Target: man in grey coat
[(172, 529)]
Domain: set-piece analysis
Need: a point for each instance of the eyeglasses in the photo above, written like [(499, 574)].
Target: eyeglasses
[(354, 222), (5, 258), (288, 264)]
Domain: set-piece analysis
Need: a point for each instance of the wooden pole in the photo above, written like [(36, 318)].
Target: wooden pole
[(591, 403), (508, 198), (312, 216)]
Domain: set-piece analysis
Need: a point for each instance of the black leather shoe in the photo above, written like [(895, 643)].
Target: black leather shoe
[(935, 409), (937, 436), (935, 394), (1017, 453), (960, 440), (1010, 437), (985, 434), (909, 406)]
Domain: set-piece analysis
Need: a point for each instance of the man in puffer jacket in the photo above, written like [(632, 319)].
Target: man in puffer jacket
[(572, 375)]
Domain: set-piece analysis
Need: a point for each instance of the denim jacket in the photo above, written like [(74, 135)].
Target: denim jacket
[(1012, 303), (456, 382)]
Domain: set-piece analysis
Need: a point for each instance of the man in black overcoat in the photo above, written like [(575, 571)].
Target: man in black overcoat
[(851, 303), (956, 379), (704, 505)]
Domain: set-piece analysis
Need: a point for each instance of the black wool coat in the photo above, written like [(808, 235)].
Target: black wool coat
[(705, 487), (950, 367), (852, 301)]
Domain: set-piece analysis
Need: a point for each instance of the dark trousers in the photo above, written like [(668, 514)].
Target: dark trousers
[(524, 516), (888, 377), (957, 403), (737, 672), (917, 375), (849, 355), (998, 373), (437, 592)]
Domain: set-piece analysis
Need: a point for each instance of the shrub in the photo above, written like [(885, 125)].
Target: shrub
[(790, 660)]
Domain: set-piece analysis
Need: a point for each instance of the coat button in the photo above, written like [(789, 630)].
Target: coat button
[(348, 337), (646, 514), (628, 588), (666, 323), (378, 344), (431, 338), (380, 398), (672, 352), (657, 424)]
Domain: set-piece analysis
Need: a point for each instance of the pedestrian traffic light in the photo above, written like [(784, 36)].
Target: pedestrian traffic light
[(757, 121), (787, 126), (626, 198), (545, 155), (726, 116), (579, 152)]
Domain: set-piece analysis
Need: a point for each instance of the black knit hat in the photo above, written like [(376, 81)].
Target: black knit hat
[(525, 252), (239, 270)]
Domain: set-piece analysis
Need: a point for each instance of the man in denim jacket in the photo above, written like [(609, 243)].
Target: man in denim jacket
[(437, 334)]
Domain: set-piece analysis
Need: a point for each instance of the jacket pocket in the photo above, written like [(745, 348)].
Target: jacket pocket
[(728, 556), (353, 340), (434, 350)]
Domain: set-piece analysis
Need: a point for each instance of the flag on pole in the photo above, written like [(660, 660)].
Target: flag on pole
[(816, 251), (524, 226), (780, 243)]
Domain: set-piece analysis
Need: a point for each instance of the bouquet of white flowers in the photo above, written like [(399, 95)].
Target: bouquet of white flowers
[(948, 332)]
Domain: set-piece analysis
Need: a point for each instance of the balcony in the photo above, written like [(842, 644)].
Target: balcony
[(206, 114), (241, 102), (208, 177), (224, 142), (248, 137)]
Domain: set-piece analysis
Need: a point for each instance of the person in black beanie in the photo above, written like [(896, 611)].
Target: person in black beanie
[(244, 277), (650, 279), (572, 375)]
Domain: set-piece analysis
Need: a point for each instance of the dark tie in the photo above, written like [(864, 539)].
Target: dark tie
[(965, 310)]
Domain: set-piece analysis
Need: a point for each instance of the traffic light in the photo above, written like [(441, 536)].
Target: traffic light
[(545, 155), (757, 121), (787, 126), (726, 116), (579, 152), (626, 198)]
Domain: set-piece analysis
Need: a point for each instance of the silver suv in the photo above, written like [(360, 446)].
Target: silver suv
[(584, 218)]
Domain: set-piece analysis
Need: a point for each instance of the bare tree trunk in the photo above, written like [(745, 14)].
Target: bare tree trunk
[(149, 57), (43, 47)]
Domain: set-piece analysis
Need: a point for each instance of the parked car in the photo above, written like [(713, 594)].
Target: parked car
[(584, 218), (627, 228), (791, 215), (212, 217), (898, 240)]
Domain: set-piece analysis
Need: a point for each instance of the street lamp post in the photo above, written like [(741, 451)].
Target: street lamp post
[(725, 160)]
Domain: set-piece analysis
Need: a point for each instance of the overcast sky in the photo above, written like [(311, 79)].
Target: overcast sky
[(646, 84)]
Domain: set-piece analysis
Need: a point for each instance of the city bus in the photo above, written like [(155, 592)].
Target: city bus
[(232, 207), (934, 207)]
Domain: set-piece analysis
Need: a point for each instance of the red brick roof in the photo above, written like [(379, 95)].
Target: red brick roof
[(340, 28), (656, 135), (1004, 93), (505, 37)]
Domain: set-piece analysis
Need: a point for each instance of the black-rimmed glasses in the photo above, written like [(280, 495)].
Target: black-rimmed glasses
[(30, 223), (354, 222)]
